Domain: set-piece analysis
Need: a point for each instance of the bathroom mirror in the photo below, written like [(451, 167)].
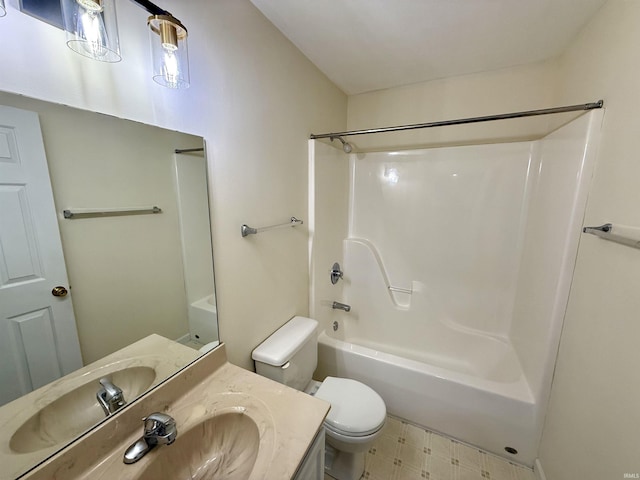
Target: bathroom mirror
[(136, 246)]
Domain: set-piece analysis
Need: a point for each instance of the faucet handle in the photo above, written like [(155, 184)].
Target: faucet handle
[(336, 273), (160, 428)]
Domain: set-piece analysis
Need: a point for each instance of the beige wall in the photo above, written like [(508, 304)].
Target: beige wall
[(268, 101), (254, 98), (593, 419), (126, 273)]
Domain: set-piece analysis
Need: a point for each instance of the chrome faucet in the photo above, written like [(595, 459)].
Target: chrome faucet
[(341, 306), (159, 429), (110, 397)]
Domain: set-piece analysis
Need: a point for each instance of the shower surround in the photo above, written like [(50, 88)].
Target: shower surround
[(457, 265)]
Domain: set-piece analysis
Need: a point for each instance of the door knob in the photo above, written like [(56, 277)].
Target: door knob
[(59, 291)]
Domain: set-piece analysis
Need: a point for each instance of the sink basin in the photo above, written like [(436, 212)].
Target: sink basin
[(76, 411), (222, 447)]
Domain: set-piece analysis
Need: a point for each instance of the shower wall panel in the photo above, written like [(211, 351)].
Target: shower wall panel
[(556, 212), (328, 223), (448, 222)]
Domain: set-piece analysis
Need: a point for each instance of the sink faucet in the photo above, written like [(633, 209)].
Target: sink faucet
[(110, 397), (159, 429)]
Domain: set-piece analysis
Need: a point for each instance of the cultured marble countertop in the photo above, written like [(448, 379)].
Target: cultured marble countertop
[(287, 421), (38, 410)]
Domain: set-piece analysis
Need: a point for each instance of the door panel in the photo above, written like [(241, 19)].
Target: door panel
[(19, 260), (35, 345)]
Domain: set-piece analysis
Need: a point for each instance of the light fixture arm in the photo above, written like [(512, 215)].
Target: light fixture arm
[(155, 10), (150, 7)]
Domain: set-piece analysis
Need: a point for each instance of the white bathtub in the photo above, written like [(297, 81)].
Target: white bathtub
[(203, 320), (477, 410)]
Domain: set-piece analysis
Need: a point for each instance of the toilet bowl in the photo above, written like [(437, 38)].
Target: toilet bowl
[(353, 424), (357, 413)]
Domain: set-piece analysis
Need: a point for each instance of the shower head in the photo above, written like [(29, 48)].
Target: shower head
[(346, 146)]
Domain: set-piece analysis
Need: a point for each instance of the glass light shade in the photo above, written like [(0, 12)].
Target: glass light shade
[(92, 28), (169, 52), (3, 10)]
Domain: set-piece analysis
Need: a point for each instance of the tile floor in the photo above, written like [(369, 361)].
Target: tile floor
[(407, 452)]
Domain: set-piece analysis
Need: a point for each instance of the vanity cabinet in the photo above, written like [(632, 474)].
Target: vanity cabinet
[(312, 467)]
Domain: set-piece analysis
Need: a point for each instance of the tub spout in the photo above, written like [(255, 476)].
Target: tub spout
[(341, 306)]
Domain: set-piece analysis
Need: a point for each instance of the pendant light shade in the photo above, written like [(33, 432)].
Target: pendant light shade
[(92, 28), (3, 10), (169, 52)]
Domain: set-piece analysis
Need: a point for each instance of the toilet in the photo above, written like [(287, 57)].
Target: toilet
[(358, 413)]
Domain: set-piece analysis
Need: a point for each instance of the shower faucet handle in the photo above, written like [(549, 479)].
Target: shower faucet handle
[(336, 273)]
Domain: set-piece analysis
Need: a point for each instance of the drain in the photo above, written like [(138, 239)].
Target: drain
[(335, 326), (511, 450)]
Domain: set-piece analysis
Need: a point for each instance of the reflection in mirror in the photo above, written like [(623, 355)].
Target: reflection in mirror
[(95, 308)]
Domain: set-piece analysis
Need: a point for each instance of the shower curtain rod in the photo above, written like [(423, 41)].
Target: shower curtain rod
[(460, 121)]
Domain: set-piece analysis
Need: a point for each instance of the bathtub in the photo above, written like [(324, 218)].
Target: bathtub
[(203, 320), (487, 410)]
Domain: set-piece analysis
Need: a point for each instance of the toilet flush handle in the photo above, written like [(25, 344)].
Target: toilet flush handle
[(285, 366)]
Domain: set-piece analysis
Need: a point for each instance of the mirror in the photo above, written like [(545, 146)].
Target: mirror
[(140, 284)]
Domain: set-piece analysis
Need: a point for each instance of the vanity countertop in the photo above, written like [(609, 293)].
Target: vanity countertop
[(37, 417), (287, 421)]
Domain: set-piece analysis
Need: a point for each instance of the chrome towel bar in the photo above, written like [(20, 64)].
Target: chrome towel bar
[(247, 230), (113, 212), (623, 234)]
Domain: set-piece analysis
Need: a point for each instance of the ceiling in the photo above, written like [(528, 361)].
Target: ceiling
[(365, 45)]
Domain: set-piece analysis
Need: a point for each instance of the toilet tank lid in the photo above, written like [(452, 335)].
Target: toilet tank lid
[(285, 342)]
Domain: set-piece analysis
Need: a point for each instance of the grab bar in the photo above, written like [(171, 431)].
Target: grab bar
[(247, 230), (623, 234), (400, 290)]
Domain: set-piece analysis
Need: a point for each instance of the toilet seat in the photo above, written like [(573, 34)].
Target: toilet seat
[(356, 409)]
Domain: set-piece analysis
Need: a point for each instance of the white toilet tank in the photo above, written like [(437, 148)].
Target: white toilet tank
[(290, 354)]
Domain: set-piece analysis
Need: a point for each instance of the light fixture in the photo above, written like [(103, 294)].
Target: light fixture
[(169, 52), (92, 28), (3, 9)]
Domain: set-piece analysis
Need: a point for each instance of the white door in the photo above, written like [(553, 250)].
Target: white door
[(38, 337)]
